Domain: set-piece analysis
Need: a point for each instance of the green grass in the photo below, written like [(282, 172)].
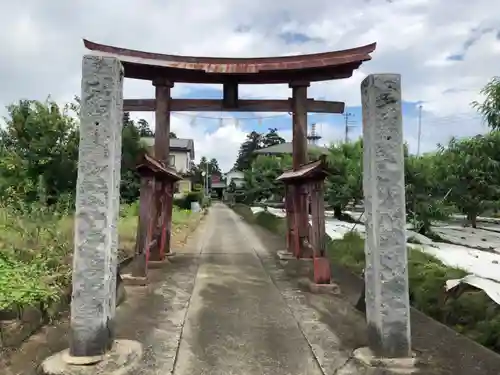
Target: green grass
[(36, 251), (473, 314)]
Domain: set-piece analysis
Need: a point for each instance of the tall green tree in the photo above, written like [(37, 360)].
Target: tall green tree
[(272, 138), (260, 179), (245, 155), (38, 144), (470, 169), (344, 185), (426, 197), (490, 107)]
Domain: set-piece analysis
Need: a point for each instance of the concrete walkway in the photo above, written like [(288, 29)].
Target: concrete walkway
[(237, 321)]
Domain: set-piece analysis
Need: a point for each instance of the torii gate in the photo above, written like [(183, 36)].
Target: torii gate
[(98, 193)]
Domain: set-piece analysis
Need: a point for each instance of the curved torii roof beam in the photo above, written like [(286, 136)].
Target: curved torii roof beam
[(261, 70)]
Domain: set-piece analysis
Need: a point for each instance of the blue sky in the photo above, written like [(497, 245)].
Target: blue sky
[(445, 55)]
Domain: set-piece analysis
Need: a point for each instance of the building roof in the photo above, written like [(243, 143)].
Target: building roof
[(287, 148), (261, 70), (176, 144), (312, 170), (150, 165)]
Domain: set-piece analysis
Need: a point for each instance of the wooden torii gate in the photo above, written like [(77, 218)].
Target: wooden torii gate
[(296, 71), (97, 204)]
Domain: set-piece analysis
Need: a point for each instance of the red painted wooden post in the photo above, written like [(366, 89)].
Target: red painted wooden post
[(289, 217), (303, 220), (155, 218), (314, 234), (151, 225), (169, 202), (322, 271), (167, 218), (321, 217), (297, 246), (145, 203)]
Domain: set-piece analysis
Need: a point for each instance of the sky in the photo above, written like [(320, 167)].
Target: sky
[(445, 51)]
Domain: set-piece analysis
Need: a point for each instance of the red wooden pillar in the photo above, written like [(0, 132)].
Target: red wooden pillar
[(300, 157), (301, 220), (289, 218), (146, 204), (163, 89), (166, 231), (322, 272)]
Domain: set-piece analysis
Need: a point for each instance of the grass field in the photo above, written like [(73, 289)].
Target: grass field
[(36, 251)]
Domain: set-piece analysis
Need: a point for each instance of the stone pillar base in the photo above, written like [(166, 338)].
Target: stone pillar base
[(155, 264), (285, 255), (312, 287), (128, 279), (396, 365), (123, 359)]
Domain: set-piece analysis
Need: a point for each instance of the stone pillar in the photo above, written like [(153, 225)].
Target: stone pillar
[(386, 272), (97, 197)]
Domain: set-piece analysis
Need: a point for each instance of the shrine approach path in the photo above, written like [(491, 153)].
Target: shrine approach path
[(237, 321)]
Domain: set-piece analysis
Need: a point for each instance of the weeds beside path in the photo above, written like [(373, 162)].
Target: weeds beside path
[(36, 249)]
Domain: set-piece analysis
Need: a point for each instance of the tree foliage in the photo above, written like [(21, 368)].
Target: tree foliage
[(470, 170), (490, 107), (39, 148), (253, 142), (260, 179), (344, 185)]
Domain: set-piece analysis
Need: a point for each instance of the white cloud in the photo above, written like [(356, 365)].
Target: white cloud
[(41, 53)]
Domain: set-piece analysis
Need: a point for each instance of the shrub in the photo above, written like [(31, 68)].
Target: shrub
[(207, 202), (184, 203), (271, 222)]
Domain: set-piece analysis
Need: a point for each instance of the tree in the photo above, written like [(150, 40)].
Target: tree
[(272, 138), (469, 168), (253, 142), (260, 179), (344, 185), (39, 150), (245, 155), (425, 197), (490, 107), (210, 167), (39, 144), (143, 127), (131, 150), (213, 167), (172, 135)]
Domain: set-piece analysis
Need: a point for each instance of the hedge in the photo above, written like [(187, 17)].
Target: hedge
[(473, 314)]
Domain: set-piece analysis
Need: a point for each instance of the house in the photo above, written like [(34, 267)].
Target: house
[(287, 147), (236, 176), (181, 158)]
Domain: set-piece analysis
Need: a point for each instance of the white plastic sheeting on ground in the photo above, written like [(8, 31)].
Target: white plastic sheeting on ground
[(489, 286), (483, 266)]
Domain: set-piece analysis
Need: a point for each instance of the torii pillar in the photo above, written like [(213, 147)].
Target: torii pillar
[(299, 194), (164, 189)]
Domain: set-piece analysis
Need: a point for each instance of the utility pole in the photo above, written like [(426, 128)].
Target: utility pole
[(419, 129), (206, 178), (347, 115)]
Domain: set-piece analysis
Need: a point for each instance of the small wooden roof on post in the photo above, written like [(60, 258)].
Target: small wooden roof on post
[(149, 166), (313, 171)]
